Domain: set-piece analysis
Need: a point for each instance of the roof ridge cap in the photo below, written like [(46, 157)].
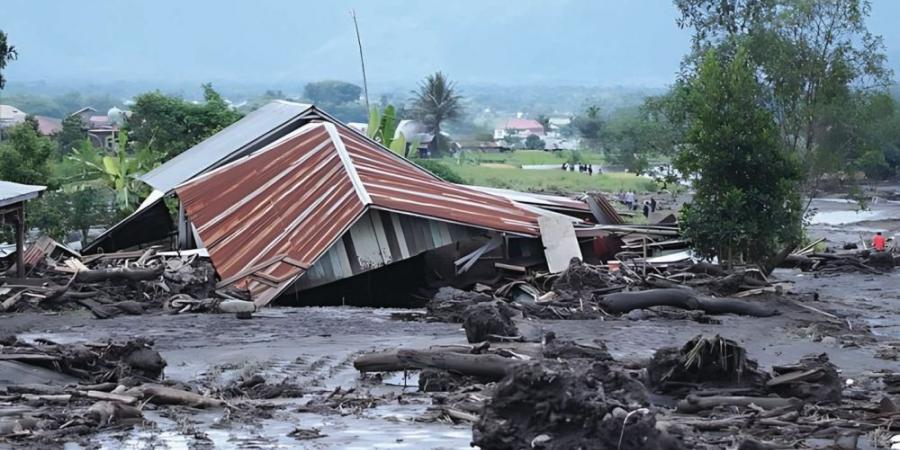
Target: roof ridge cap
[(347, 161)]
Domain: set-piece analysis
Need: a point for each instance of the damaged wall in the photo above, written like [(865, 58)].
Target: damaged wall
[(380, 238)]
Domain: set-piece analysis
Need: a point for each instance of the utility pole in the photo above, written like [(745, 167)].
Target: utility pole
[(362, 61)]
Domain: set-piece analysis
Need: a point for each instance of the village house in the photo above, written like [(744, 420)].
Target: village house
[(519, 127)]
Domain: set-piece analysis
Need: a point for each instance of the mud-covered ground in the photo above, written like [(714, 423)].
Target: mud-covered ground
[(315, 348)]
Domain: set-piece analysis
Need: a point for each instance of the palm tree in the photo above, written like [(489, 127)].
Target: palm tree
[(434, 103)]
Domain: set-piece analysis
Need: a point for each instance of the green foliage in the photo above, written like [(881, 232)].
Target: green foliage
[(746, 204), (118, 173), (533, 142), (383, 129), (59, 212), (71, 135), (635, 136), (811, 56), (331, 92), (434, 103), (511, 138), (868, 127), (171, 125), (7, 53), (440, 169), (60, 105), (25, 155), (590, 127)]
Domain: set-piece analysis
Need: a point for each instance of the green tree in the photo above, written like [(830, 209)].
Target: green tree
[(71, 135), (60, 212), (746, 204), (331, 92), (7, 53), (434, 103), (171, 125), (544, 121), (533, 142), (25, 154), (590, 127), (811, 55), (636, 135), (511, 137)]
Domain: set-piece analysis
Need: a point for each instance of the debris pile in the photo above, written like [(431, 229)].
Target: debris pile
[(84, 388), (839, 262), (586, 291), (568, 404), (560, 394), (123, 283), (704, 363)]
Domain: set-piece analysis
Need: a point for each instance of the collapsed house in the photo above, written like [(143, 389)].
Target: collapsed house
[(289, 199)]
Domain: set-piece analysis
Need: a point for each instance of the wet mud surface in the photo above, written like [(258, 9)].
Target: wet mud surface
[(314, 348)]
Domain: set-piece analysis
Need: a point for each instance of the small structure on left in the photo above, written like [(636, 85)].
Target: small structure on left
[(13, 197)]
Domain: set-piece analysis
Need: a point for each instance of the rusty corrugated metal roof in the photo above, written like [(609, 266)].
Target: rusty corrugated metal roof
[(266, 218)]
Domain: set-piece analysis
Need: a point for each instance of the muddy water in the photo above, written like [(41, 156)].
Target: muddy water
[(313, 347), (839, 220)]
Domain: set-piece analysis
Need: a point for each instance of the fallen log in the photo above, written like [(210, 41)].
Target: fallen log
[(164, 395), (35, 389), (47, 398), (622, 302), (491, 367), (119, 273), (694, 404), (484, 366)]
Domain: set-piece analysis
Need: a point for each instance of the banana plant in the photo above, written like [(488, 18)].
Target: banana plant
[(383, 129), (118, 172)]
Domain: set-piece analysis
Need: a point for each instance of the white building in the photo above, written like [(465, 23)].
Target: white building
[(10, 115)]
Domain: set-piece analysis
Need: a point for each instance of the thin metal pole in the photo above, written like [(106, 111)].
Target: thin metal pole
[(362, 61), (20, 241)]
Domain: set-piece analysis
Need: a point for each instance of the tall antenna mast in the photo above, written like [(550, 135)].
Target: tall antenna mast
[(362, 61)]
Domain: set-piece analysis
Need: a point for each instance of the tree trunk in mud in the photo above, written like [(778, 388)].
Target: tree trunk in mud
[(490, 367), (622, 302)]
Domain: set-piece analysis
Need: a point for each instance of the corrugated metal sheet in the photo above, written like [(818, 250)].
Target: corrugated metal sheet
[(267, 218), (15, 192), (244, 136), (553, 201), (379, 238)]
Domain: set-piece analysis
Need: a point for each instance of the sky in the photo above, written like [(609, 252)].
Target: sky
[(511, 42)]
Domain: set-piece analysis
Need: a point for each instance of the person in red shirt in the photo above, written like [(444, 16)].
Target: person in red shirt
[(878, 242)]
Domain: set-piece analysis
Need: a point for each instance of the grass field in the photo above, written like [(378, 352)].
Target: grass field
[(549, 180), (528, 157)]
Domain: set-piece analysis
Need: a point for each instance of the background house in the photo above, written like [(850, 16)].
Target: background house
[(519, 127), (10, 115)]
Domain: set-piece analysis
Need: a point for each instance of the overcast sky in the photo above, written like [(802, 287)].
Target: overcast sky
[(593, 42)]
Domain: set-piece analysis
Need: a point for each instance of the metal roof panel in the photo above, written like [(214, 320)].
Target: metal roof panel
[(224, 144)]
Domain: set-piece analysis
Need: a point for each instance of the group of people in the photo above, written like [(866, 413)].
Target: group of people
[(629, 199), (583, 168)]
